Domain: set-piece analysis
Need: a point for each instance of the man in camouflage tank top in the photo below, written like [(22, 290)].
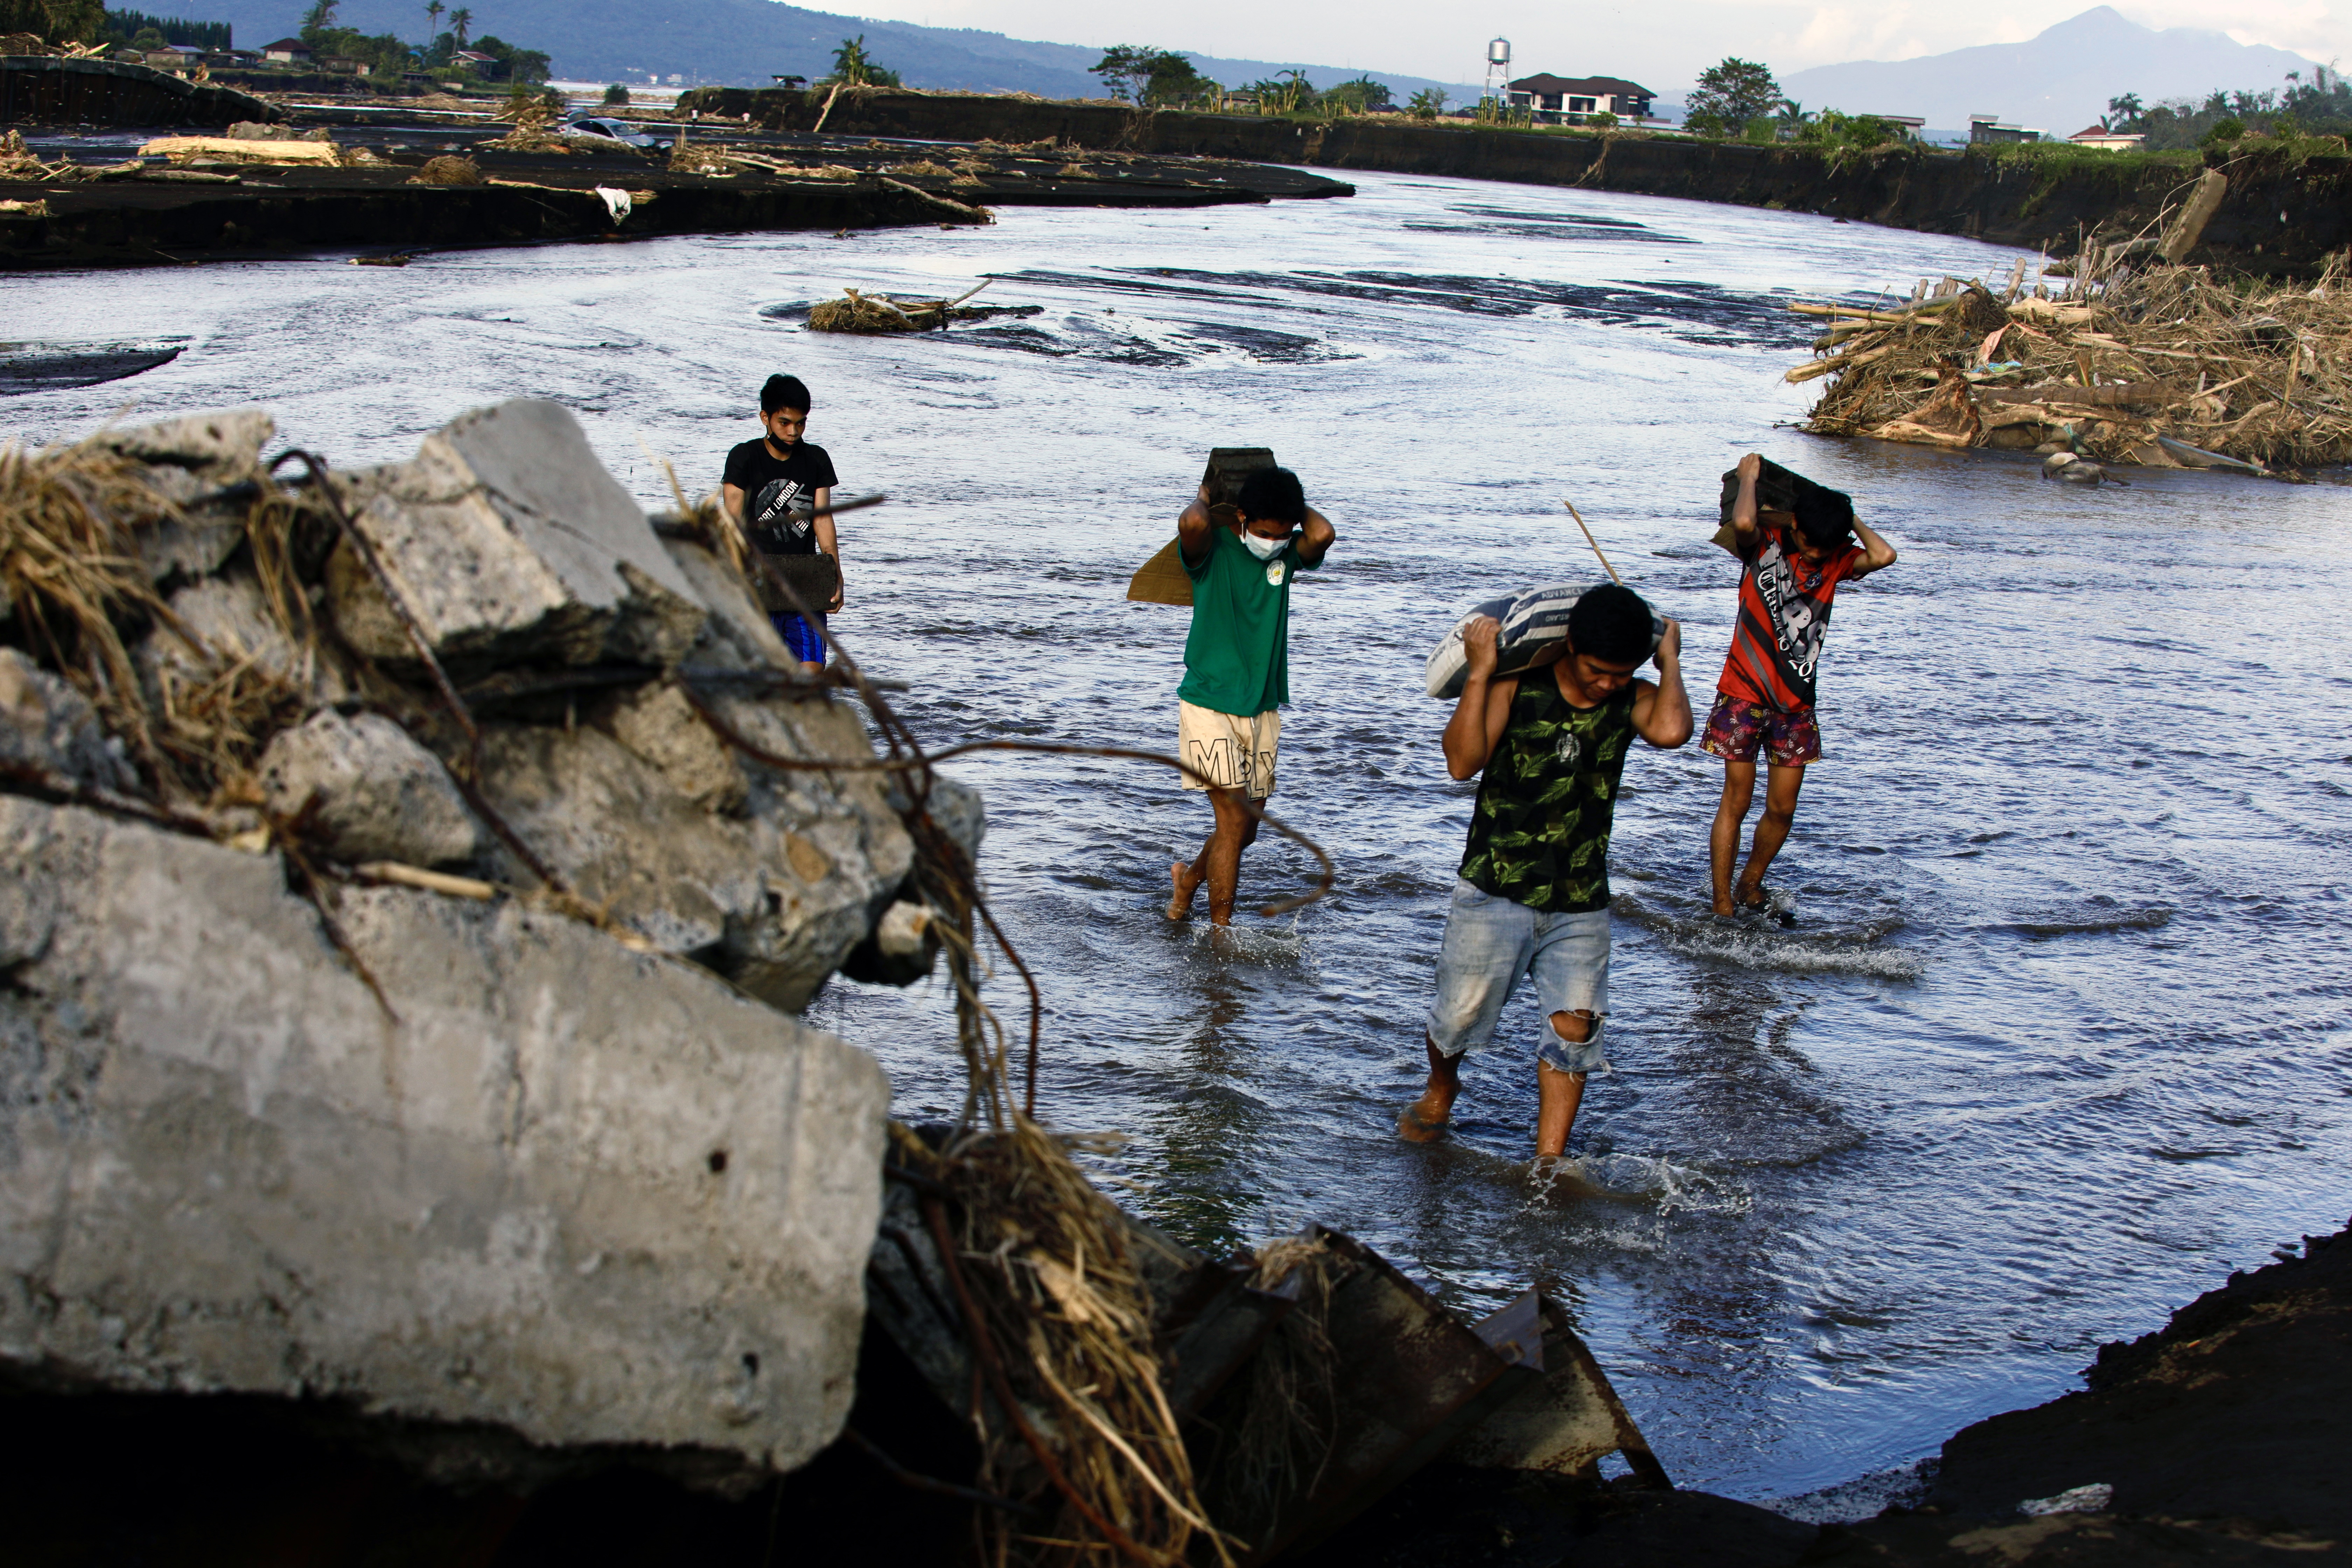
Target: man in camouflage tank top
[(1532, 898)]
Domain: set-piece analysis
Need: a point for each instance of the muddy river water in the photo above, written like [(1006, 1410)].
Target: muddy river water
[(2061, 1035)]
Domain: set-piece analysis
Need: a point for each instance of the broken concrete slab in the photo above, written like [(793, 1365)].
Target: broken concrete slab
[(583, 1195), (381, 795), (738, 636), (774, 898), (229, 617), (610, 824), (227, 444), (46, 724), (507, 538), (657, 722)]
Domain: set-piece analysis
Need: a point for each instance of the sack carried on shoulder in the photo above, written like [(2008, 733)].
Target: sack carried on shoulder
[(813, 576), (1777, 489), (1534, 623)]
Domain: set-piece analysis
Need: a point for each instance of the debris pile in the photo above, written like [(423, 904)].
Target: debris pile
[(1131, 1393), (2159, 365), (448, 169), (413, 871), (17, 161), (533, 131), (875, 314)]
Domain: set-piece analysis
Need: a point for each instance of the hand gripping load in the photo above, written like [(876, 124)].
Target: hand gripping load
[(1533, 625)]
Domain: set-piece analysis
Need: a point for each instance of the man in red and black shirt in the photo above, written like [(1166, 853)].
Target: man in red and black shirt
[(1791, 563)]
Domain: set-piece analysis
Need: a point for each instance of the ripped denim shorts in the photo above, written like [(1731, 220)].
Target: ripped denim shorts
[(1490, 943)]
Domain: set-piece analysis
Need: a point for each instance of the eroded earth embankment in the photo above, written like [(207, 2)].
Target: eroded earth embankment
[(2287, 209), (386, 192)]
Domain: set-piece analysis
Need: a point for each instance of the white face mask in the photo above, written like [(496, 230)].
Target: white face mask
[(1264, 549)]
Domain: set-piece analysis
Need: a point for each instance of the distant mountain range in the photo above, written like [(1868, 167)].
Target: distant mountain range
[(2059, 82), (744, 42)]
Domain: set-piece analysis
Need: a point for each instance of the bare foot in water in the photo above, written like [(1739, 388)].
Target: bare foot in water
[(1180, 907), (1421, 1124), (1425, 1121)]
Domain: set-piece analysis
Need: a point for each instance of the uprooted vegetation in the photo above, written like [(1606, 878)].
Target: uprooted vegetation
[(2133, 361), (876, 315)]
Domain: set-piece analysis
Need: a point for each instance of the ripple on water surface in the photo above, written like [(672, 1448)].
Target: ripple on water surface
[(2059, 1033)]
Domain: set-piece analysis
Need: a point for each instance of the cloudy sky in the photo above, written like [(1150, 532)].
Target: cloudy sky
[(1662, 44)]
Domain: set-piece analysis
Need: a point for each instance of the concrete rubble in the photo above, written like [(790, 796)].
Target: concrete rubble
[(534, 1167)]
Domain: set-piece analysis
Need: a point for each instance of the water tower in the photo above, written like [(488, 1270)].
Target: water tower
[(1498, 69)]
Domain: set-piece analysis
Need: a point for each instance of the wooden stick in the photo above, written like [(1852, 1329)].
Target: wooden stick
[(1592, 541), (428, 881)]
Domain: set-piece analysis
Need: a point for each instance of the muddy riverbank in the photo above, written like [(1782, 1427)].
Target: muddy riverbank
[(2285, 213), (170, 213), (2222, 1439)]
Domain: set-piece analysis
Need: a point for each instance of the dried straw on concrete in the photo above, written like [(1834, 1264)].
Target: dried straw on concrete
[(2126, 353), (74, 582)]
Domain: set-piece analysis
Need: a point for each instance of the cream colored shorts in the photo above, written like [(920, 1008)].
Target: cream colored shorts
[(1230, 752)]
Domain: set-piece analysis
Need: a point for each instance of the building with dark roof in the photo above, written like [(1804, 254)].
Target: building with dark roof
[(1566, 100)]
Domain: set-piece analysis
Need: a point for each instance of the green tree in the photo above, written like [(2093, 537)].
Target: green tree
[(1171, 78), (1425, 105), (1832, 129), (2124, 114), (1603, 119), (1731, 95), (616, 96), (124, 26), (519, 65), (1357, 95), (147, 39), (1125, 67), (461, 22), (1289, 93), (317, 22), (433, 12), (56, 21), (853, 66)]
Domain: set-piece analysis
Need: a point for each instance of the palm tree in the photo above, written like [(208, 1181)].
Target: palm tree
[(460, 20), (433, 9)]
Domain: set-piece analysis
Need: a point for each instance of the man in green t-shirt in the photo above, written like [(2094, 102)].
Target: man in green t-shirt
[(1237, 666)]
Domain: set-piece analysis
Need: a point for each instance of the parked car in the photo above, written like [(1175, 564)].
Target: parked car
[(616, 131)]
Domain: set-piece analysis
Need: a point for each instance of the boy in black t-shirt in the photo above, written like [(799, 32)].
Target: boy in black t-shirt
[(777, 488)]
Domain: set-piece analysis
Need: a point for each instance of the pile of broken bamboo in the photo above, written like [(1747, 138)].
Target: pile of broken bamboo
[(877, 314), (2133, 360)]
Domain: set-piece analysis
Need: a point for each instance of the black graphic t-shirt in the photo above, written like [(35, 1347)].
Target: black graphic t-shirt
[(1540, 832), (778, 497)]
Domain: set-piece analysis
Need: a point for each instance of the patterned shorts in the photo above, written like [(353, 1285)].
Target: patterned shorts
[(1736, 727), (806, 641), (1227, 750)]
